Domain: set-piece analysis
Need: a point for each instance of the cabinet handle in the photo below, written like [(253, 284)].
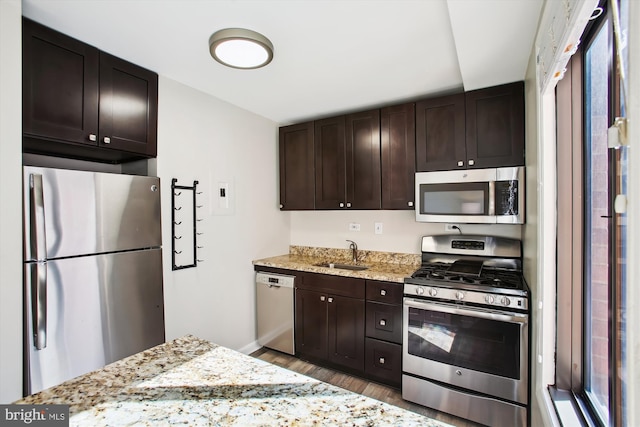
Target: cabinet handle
[(348, 205), (107, 140), (460, 163), (472, 162), (330, 299), (383, 292), (322, 298), (93, 137), (381, 360), (342, 205), (383, 322), (281, 206), (410, 204)]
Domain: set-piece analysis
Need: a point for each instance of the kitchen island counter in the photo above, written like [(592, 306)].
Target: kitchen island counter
[(190, 381), (382, 266)]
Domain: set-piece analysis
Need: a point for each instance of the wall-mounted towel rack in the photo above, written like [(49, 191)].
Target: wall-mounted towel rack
[(184, 242)]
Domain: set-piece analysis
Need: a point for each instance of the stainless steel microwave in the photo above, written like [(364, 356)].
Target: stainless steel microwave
[(473, 196)]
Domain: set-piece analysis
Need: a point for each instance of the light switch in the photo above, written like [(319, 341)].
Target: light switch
[(377, 227), (223, 198)]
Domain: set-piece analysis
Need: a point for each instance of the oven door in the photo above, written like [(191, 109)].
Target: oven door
[(482, 350)]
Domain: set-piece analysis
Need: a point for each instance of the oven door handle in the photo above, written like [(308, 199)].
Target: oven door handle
[(467, 311)]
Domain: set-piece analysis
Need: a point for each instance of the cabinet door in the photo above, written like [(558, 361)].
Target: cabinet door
[(440, 133), (128, 106), (495, 126), (59, 86), (311, 323), (297, 178), (329, 144), (398, 156), (346, 332), (363, 160)]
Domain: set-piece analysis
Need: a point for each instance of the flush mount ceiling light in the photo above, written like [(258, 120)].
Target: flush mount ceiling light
[(240, 48)]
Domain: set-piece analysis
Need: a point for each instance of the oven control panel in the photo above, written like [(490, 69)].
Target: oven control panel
[(464, 295)]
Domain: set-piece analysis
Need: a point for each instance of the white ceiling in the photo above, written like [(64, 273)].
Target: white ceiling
[(331, 56)]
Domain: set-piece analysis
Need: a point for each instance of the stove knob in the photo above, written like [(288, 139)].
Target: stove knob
[(489, 299), (505, 301), (419, 290), (433, 292), (459, 295)]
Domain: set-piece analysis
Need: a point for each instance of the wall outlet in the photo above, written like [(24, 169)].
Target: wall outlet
[(354, 226), (377, 227), (450, 227)]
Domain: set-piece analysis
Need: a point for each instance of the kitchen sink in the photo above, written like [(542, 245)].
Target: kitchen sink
[(342, 266)]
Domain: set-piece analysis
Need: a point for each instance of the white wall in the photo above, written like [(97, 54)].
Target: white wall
[(400, 232), (11, 201), (205, 139)]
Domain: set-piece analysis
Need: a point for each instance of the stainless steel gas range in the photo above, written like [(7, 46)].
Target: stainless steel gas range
[(466, 330)]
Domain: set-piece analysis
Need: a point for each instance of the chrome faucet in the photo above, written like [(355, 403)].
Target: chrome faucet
[(354, 250)]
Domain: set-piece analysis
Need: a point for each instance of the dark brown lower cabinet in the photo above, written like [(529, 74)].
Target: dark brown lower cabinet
[(311, 328), (383, 361), (383, 348), (346, 332), (349, 323), (330, 328)]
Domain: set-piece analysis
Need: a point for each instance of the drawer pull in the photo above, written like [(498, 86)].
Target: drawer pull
[(383, 322), (381, 360), (383, 292)]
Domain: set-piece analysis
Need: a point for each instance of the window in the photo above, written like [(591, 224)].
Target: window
[(591, 234)]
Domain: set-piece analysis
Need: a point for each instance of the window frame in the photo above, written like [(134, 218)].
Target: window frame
[(571, 350)]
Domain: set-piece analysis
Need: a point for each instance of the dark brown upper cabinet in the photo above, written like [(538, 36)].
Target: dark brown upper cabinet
[(479, 129), (82, 103), (347, 161), (398, 152), (60, 86), (495, 126), (297, 178), (330, 167), (128, 106), (440, 138)]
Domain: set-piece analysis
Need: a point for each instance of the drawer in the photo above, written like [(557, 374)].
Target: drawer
[(387, 292), (383, 361), (337, 285), (384, 321)]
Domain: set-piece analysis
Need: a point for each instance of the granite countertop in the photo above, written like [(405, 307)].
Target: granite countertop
[(384, 266), (193, 382)]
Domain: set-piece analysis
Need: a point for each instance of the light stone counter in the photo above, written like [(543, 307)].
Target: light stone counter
[(193, 382), (384, 266)]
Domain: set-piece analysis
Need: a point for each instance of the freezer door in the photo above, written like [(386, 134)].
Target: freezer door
[(88, 212), (98, 309)]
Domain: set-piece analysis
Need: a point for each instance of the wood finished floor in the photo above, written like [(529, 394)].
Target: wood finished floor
[(355, 384)]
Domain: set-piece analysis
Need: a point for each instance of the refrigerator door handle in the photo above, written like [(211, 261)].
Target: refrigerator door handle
[(38, 243), (38, 279)]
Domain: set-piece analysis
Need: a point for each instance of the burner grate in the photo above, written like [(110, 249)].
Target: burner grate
[(494, 278)]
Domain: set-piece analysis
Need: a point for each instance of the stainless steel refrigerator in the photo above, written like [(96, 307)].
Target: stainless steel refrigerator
[(92, 271)]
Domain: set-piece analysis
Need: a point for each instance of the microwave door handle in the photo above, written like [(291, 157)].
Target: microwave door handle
[(492, 198)]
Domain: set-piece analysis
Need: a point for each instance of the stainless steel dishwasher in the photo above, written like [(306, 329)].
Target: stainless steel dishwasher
[(274, 307)]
